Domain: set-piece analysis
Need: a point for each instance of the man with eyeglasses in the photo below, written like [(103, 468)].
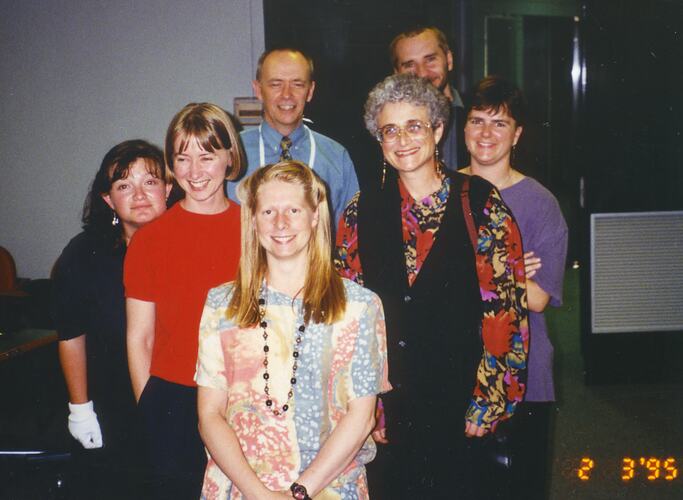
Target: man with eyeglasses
[(284, 84), (424, 52)]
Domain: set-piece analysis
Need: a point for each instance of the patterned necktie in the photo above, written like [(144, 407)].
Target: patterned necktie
[(285, 144)]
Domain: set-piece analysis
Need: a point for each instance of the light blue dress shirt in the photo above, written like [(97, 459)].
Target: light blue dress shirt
[(331, 161)]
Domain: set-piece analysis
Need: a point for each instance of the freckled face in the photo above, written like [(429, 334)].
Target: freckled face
[(490, 137), (284, 221)]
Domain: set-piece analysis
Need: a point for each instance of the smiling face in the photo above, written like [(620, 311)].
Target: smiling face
[(490, 136), (138, 198), (409, 155), (284, 88), (201, 174), (284, 222), (422, 56)]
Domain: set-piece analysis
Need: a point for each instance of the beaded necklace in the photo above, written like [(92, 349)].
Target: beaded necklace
[(263, 304)]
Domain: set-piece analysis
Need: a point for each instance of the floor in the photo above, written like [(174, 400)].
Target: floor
[(608, 423)]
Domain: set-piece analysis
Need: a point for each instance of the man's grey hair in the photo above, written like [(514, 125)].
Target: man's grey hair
[(410, 89), (262, 59)]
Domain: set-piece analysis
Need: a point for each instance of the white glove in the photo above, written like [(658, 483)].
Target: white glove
[(83, 425)]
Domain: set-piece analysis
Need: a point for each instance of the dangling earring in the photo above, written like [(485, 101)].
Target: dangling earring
[(114, 220), (384, 171), (512, 155), (439, 165)]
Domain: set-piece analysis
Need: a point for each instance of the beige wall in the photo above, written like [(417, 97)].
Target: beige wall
[(78, 76)]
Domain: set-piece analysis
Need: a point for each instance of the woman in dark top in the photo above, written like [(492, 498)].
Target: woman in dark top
[(130, 189), (411, 241)]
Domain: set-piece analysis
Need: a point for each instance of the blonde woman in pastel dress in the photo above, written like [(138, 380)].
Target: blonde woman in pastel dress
[(291, 356)]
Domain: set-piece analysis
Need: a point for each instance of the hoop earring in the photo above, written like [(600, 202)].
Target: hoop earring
[(114, 220), (384, 171)]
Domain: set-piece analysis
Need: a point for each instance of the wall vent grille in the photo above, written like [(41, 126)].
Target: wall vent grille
[(636, 272)]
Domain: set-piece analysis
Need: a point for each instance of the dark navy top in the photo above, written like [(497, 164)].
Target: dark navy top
[(88, 300)]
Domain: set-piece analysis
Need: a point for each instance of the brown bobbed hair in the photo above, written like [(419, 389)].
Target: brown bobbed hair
[(324, 300), (213, 128)]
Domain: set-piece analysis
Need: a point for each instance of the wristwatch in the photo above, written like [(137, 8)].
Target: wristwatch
[(299, 491)]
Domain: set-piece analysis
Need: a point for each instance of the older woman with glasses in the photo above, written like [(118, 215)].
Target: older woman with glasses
[(445, 256)]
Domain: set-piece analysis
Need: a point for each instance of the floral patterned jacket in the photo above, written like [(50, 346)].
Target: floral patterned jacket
[(500, 382)]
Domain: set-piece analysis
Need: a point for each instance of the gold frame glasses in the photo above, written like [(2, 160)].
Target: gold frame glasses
[(415, 129)]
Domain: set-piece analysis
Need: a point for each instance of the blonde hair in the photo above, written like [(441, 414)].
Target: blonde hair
[(324, 300), (212, 127)]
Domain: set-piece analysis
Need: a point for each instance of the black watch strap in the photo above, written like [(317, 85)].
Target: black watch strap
[(299, 491)]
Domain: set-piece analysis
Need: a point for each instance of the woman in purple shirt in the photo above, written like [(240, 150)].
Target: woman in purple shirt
[(494, 125)]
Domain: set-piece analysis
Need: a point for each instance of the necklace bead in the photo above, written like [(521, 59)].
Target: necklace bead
[(266, 349)]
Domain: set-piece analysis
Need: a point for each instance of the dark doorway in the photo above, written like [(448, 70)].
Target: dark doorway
[(537, 53), (348, 40)]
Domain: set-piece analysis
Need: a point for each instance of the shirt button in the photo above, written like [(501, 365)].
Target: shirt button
[(407, 298)]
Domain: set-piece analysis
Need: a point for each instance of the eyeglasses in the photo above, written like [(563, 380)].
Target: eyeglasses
[(416, 129)]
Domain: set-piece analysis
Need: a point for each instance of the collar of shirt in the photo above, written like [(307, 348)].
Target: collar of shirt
[(457, 100), (431, 202), (271, 138)]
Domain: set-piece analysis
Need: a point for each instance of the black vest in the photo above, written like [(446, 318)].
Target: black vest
[(433, 339)]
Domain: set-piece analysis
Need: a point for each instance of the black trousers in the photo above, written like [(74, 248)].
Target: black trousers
[(174, 449), (438, 466), (106, 475), (118, 469), (530, 444)]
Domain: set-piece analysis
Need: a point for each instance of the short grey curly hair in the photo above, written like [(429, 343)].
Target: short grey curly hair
[(408, 88)]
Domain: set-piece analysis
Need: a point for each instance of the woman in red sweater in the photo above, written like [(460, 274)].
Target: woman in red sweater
[(169, 269)]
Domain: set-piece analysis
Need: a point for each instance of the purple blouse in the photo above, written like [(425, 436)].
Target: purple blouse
[(544, 231)]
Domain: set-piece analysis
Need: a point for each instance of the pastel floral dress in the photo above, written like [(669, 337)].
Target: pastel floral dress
[(500, 382), (337, 364)]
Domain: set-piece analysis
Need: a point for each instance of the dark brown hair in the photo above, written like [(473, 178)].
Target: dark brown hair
[(97, 215), (495, 93)]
